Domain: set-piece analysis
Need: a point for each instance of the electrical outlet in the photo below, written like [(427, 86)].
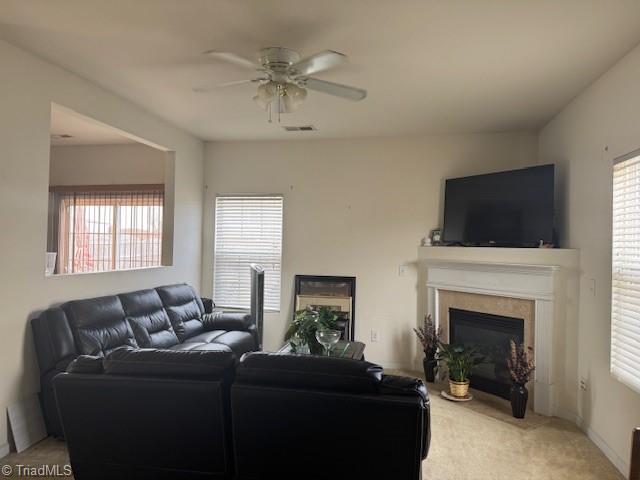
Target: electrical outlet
[(375, 336), (583, 384)]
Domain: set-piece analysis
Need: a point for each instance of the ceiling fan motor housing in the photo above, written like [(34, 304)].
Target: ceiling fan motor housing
[(278, 59)]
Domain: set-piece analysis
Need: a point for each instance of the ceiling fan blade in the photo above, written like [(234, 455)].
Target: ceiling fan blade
[(344, 91), (319, 62), (232, 58), (209, 88)]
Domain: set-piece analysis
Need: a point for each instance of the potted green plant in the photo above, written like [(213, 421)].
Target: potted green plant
[(429, 336), (459, 361), (520, 363), (301, 334)]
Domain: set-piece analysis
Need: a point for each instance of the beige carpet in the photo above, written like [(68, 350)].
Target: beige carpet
[(481, 440), (478, 440)]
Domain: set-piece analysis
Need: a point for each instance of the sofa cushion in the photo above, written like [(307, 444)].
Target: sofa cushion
[(184, 308), (205, 337), (149, 362), (309, 371), (239, 342), (149, 321), (99, 325)]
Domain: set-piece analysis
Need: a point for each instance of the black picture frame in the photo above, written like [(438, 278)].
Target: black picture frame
[(302, 285)]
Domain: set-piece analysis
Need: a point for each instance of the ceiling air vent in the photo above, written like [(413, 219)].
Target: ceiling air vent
[(301, 128), (61, 136)]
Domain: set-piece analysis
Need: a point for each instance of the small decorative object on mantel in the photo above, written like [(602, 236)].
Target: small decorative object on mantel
[(459, 360), (520, 366), (301, 334), (436, 236), (429, 336)]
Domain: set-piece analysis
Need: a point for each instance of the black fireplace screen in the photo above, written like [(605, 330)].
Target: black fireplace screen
[(490, 335)]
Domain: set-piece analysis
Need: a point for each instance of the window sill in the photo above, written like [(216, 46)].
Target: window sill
[(55, 275), (243, 309)]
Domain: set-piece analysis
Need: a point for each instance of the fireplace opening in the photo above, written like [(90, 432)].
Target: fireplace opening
[(490, 335)]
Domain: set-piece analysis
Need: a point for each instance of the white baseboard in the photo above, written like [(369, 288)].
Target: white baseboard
[(570, 416), (4, 450), (613, 457)]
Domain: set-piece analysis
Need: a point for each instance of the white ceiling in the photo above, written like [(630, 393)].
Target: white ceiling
[(83, 130), (429, 65)]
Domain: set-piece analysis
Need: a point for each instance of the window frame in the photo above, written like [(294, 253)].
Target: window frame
[(121, 194), (280, 260), (618, 372)]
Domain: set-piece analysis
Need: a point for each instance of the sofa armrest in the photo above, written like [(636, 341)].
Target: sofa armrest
[(227, 321), (408, 386), (231, 321), (208, 304)]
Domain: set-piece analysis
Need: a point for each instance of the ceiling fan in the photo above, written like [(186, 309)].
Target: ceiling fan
[(283, 78)]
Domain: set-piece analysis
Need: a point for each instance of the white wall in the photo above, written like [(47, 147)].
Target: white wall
[(106, 165), (598, 126), (356, 207), (29, 85)]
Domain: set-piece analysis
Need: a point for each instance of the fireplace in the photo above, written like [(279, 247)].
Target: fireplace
[(490, 335)]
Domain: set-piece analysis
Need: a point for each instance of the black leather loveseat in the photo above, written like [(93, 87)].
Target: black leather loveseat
[(170, 317), (160, 414), (316, 417)]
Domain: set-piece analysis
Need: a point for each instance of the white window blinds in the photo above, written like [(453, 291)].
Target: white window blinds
[(248, 229), (625, 288)]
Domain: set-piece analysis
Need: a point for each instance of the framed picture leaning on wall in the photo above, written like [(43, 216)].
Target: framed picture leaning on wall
[(337, 293)]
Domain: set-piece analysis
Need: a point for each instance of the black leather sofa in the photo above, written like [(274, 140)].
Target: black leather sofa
[(315, 417), (144, 413), (171, 317)]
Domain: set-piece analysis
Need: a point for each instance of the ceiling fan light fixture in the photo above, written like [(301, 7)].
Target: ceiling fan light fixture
[(293, 97), (267, 93), (260, 102)]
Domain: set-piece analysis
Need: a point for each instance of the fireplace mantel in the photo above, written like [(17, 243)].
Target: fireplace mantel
[(548, 277)]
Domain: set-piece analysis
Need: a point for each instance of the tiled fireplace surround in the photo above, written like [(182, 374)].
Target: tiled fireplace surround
[(493, 304), (536, 293)]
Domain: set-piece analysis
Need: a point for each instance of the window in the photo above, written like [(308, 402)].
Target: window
[(625, 289), (248, 230), (114, 230)]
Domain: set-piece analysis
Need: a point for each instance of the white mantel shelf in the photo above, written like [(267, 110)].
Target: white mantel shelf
[(536, 274), (562, 257)]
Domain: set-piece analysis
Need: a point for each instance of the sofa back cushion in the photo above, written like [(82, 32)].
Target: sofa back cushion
[(53, 338), (148, 319), (309, 371), (190, 364), (184, 308), (99, 325)]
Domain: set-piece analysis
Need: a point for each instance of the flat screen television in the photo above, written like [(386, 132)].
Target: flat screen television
[(513, 208)]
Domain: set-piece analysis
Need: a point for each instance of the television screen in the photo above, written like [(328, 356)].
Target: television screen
[(506, 208)]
